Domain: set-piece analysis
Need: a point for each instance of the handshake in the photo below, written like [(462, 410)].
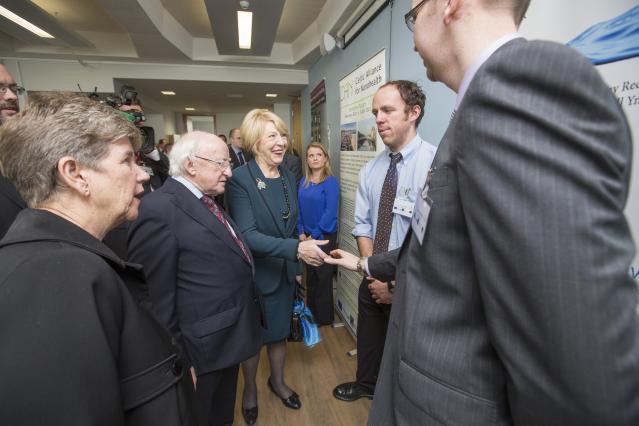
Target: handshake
[(310, 252)]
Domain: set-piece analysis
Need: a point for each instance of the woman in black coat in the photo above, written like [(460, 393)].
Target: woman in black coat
[(81, 346)]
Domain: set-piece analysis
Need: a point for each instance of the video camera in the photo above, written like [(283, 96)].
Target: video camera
[(129, 96)]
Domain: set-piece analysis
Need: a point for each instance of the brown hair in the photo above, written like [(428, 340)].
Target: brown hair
[(411, 94)]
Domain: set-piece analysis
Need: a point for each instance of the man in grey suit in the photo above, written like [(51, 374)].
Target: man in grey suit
[(513, 304)]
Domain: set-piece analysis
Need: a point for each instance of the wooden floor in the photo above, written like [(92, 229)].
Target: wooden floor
[(312, 373)]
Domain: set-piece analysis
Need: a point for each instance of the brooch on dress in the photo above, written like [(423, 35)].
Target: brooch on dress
[(260, 184)]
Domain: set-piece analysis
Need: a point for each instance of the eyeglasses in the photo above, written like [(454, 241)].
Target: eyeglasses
[(221, 164), (18, 90), (411, 16)]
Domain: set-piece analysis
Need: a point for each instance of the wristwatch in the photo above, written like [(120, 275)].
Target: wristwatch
[(391, 286), (360, 266)]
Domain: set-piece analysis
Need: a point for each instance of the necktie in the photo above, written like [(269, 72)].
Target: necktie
[(217, 211), (240, 156), (385, 210)]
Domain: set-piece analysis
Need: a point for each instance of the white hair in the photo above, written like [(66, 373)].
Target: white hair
[(186, 146)]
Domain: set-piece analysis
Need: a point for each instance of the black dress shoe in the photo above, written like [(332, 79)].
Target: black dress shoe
[(292, 401), (351, 391), (250, 415)]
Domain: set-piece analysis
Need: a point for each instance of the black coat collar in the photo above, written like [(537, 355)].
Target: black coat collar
[(38, 225)]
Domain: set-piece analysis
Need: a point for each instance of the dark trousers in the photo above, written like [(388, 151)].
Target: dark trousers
[(372, 322), (319, 281), (215, 394)]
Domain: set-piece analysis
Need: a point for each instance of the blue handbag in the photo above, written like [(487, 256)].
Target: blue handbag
[(310, 331)]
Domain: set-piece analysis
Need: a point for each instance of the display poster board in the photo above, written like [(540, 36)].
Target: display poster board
[(607, 33), (359, 143)]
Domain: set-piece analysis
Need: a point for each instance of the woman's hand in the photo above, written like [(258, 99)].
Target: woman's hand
[(309, 252), (342, 258), (302, 237), (298, 278)]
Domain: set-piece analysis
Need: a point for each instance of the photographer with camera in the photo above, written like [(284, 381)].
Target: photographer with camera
[(152, 160)]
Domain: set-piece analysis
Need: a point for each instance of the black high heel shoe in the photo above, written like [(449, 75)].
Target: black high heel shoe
[(250, 415), (292, 402)]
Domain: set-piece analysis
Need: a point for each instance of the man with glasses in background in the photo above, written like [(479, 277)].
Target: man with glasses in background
[(11, 203), (514, 302), (200, 271)]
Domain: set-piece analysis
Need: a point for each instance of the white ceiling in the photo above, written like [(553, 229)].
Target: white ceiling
[(166, 33)]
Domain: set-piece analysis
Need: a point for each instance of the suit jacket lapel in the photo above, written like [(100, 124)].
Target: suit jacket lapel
[(269, 202), (189, 204)]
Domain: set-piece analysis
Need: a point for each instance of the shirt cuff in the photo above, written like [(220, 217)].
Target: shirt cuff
[(365, 266)]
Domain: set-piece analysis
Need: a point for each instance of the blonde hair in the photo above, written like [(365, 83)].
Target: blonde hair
[(326, 171), (254, 125)]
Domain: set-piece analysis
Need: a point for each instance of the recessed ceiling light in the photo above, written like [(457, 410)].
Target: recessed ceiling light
[(168, 92), (234, 95), (244, 28), (189, 109), (271, 95), (24, 23)]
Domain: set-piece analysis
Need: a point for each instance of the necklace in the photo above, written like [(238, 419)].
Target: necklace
[(287, 213)]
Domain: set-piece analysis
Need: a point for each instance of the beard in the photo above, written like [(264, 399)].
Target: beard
[(9, 104)]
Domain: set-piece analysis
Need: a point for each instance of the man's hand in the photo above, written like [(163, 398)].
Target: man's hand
[(379, 291), (342, 258)]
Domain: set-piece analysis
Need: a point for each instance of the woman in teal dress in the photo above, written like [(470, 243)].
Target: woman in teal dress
[(262, 199)]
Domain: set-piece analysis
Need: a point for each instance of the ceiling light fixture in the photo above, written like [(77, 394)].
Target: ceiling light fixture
[(271, 95), (244, 28), (189, 109), (168, 92), (24, 23)]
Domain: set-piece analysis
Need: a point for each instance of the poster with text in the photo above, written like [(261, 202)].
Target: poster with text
[(607, 33), (359, 143)]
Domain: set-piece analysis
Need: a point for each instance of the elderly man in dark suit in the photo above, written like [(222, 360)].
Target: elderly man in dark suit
[(11, 203), (514, 304), (200, 271)]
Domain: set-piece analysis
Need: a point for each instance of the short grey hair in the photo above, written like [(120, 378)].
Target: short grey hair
[(187, 145), (53, 126)]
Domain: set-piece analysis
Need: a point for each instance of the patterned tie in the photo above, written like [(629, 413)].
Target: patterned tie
[(217, 211), (240, 157), (385, 210)]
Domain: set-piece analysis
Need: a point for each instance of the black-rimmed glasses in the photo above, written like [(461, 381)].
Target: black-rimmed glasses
[(18, 90), (221, 164), (411, 16)]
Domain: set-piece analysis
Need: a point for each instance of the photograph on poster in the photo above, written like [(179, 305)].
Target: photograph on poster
[(348, 137), (367, 134)]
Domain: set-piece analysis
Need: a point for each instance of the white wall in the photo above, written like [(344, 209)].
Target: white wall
[(283, 111), (227, 121), (157, 122)]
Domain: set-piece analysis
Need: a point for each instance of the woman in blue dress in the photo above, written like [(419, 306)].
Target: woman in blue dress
[(318, 198), (263, 203)]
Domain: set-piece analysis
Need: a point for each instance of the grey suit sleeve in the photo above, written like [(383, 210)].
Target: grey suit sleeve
[(383, 266), (543, 177)]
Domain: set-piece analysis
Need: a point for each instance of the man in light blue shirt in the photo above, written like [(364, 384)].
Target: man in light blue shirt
[(398, 107)]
